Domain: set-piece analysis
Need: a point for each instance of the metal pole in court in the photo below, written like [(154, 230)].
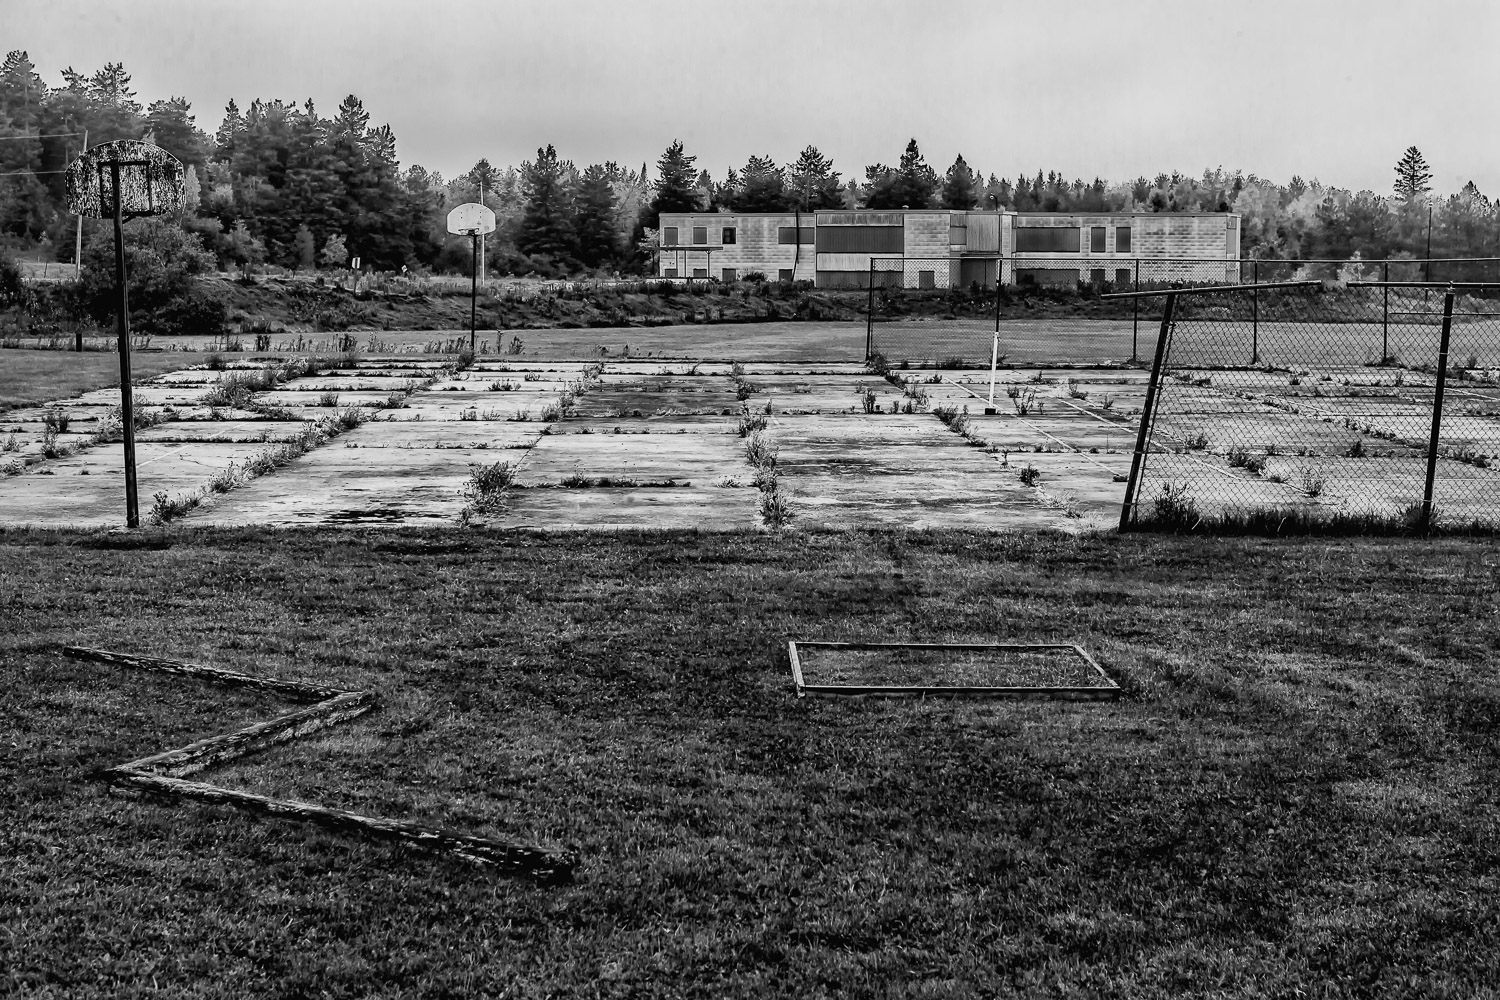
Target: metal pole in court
[(473, 290), (994, 363), (122, 325)]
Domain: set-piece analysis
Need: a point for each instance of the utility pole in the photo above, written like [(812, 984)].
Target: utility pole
[(78, 241), (78, 258)]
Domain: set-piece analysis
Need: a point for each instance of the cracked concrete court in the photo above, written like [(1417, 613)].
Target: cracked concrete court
[(643, 444)]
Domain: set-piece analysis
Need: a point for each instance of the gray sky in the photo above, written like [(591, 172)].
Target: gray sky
[(1333, 90)]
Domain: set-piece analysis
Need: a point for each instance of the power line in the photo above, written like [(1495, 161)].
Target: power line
[(49, 135), (23, 173)]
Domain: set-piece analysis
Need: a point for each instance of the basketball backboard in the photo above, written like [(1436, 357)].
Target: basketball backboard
[(151, 180), (471, 219)]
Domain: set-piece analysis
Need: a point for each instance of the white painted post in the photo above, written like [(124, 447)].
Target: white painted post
[(994, 363)]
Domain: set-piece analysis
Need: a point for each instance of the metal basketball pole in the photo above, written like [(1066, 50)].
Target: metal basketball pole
[(473, 289), (122, 324)]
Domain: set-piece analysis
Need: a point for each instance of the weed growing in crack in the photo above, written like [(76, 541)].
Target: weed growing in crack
[(56, 419), (1313, 481), (751, 423), (329, 399), (1239, 458), (225, 480), (486, 488), (1030, 475), (1023, 399), (165, 509), (1076, 390)]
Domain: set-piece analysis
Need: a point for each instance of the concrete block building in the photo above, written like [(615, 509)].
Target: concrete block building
[(939, 248)]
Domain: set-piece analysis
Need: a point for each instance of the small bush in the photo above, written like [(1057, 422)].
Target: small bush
[(329, 399), (1030, 475)]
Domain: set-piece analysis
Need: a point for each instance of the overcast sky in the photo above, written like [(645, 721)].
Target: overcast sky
[(1333, 90)]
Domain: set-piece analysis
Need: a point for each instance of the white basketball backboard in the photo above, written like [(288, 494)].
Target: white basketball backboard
[(471, 219)]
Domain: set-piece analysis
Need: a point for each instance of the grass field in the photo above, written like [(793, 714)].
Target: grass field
[(31, 377), (1296, 797)]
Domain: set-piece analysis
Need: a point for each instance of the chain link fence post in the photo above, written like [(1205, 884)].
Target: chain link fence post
[(1385, 314), (1437, 410), (1255, 313), (1148, 413), (1135, 319)]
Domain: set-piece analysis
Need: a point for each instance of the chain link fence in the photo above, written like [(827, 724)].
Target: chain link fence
[(1054, 309), (1367, 404)]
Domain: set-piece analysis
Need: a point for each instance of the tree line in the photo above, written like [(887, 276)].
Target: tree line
[(279, 183)]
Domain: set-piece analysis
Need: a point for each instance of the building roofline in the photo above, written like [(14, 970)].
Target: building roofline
[(931, 211)]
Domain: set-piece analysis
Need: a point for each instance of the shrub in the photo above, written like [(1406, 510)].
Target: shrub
[(1175, 508)]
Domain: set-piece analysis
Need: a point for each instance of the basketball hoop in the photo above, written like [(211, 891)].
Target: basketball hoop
[(472, 220), (125, 179)]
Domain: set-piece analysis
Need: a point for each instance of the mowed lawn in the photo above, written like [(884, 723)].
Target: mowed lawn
[(1296, 797)]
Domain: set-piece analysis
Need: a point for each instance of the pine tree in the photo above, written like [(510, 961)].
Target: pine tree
[(230, 132), (762, 187), (594, 224), (676, 185), (960, 189), (170, 123), (544, 230), (1412, 175), (305, 248), (812, 183)]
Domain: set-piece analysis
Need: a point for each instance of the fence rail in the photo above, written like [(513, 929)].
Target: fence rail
[(1052, 308), (1366, 403)]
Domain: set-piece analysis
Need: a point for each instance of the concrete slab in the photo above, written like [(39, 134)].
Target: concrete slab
[(88, 489), (705, 508), (647, 459)]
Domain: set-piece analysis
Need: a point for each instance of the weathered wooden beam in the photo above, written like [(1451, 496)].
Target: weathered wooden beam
[(297, 690), (512, 859), (215, 750)]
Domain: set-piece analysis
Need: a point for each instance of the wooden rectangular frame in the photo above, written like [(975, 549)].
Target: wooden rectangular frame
[(164, 774), (1108, 691)]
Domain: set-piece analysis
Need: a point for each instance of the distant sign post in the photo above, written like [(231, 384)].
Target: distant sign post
[(472, 220), (120, 180)]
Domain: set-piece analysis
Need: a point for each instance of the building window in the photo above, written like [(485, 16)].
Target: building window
[(1096, 277), (1122, 277), (792, 234), (700, 235), (926, 279), (784, 274), (728, 237), (861, 239), (1122, 239), (700, 272), (671, 272), (669, 236), (1096, 239), (1048, 239), (730, 274)]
